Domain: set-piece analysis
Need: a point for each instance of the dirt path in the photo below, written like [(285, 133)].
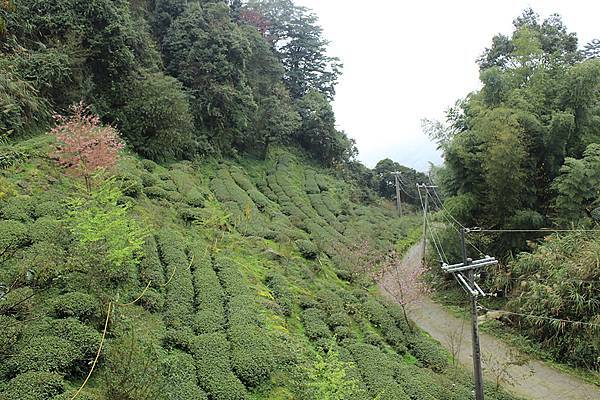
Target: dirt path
[(534, 381)]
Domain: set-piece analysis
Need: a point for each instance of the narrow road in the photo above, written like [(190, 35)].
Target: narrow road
[(535, 380)]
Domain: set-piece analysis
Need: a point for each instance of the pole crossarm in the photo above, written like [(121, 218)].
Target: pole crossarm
[(484, 262)]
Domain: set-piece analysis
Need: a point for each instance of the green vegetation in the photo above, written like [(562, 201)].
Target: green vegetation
[(537, 117), (228, 310)]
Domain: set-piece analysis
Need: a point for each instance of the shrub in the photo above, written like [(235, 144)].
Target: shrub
[(13, 235), (48, 229), (210, 314), (377, 370), (314, 327), (251, 354), (149, 165), (84, 338), (148, 179), (151, 268), (195, 198), (45, 353), (156, 192), (179, 301), (9, 334), (34, 386), (50, 208), (211, 357), (279, 286), (180, 380), (307, 249), (131, 185), (153, 300), (80, 305), (180, 339), (429, 353)]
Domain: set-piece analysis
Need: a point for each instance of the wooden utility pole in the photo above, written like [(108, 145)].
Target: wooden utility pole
[(398, 198), (477, 371), (468, 283)]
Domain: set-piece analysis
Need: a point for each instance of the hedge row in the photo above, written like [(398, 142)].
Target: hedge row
[(246, 215), (34, 386), (210, 314), (181, 382), (378, 315), (377, 371), (317, 202), (251, 350), (210, 352), (179, 299)]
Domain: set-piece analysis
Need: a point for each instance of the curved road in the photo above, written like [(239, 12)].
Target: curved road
[(535, 380)]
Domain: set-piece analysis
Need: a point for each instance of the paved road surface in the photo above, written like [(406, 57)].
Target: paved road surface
[(534, 381)]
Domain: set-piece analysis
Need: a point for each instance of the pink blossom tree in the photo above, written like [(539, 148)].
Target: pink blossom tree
[(404, 282), (84, 145)]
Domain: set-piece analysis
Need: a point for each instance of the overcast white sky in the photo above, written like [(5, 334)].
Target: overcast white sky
[(407, 60)]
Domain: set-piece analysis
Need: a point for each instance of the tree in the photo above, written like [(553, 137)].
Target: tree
[(592, 49), (276, 118), (208, 52), (386, 182), (85, 146), (318, 134), (157, 120), (404, 283), (108, 241), (297, 39), (578, 186)]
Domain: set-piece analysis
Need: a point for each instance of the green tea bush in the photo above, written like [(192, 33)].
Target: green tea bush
[(18, 208), (149, 165), (251, 354), (179, 299), (310, 183), (180, 380), (131, 185), (48, 229), (377, 371), (381, 319), (211, 356), (148, 180), (429, 353), (10, 333), (44, 353), (314, 326), (195, 198), (210, 314), (82, 306), (307, 249), (81, 396), (83, 337), (150, 267), (279, 286), (156, 192), (34, 385), (153, 300), (13, 235), (50, 208), (418, 384), (179, 339)]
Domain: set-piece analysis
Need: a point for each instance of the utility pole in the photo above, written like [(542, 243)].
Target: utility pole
[(398, 199), (425, 211), (477, 371)]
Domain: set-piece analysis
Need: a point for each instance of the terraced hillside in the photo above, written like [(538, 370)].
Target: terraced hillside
[(245, 287)]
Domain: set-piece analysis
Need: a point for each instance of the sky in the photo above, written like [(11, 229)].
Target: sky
[(408, 60)]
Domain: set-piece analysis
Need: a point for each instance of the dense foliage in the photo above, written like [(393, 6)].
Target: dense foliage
[(522, 154)]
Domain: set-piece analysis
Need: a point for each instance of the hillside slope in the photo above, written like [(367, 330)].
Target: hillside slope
[(245, 286)]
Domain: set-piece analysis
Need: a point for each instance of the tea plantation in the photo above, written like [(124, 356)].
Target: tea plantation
[(242, 285)]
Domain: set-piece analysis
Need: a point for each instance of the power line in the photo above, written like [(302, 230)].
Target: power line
[(548, 230), (446, 213), (568, 321)]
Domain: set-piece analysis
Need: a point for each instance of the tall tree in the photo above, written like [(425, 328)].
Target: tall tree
[(298, 40)]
